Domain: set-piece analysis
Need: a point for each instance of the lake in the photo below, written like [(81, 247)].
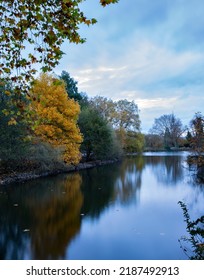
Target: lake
[(127, 210)]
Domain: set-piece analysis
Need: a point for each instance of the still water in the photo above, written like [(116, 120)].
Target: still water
[(127, 210)]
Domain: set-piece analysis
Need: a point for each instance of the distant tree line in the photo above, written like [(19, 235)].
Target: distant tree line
[(168, 133)]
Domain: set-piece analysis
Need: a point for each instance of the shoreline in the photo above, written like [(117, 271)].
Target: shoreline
[(27, 176), (19, 177)]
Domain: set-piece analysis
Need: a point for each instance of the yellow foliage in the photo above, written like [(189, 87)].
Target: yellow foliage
[(8, 93), (12, 121), (55, 116)]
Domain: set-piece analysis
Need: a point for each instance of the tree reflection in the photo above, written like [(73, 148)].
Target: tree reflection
[(167, 169), (128, 183), (57, 218), (40, 218), (98, 189), (47, 217), (110, 184), (14, 219)]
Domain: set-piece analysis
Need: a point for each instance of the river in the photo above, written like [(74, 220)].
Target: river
[(127, 210)]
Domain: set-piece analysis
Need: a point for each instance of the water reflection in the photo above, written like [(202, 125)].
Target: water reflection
[(45, 219), (98, 189), (13, 220), (53, 217), (56, 219), (106, 185), (168, 170), (128, 183)]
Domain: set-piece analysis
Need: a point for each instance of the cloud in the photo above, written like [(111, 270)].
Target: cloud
[(141, 66), (182, 105), (164, 103), (147, 51)]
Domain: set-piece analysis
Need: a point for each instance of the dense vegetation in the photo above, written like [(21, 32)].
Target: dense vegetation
[(61, 126)]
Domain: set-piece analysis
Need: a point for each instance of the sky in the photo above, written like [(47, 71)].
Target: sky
[(149, 52)]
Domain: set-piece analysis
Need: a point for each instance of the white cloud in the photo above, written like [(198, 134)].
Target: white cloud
[(164, 103), (139, 66), (144, 55)]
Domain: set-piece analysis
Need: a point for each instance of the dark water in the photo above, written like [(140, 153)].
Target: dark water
[(127, 210)]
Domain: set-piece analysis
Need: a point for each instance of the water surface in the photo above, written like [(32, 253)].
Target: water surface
[(127, 210)]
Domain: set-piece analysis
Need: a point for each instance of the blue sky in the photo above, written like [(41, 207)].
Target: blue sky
[(143, 50)]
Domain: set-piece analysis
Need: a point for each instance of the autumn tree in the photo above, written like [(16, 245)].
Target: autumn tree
[(123, 115), (43, 26), (53, 116), (126, 115), (106, 107), (18, 153)]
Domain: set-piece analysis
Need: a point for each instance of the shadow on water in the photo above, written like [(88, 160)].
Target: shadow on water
[(41, 218), (168, 170), (107, 185)]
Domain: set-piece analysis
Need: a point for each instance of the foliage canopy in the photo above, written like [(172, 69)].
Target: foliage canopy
[(54, 116), (122, 114), (40, 26)]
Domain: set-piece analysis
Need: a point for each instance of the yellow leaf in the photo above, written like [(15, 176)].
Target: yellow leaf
[(12, 121), (8, 93)]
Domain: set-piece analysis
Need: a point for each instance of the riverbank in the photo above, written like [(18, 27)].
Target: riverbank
[(6, 179)]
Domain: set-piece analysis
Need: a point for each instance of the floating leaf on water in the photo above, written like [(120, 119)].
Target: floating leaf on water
[(26, 230), (15, 205)]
